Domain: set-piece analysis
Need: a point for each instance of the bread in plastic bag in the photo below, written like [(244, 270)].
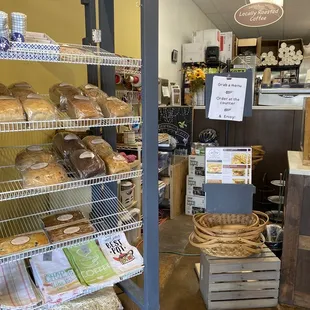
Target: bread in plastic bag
[(114, 107), (62, 219), (94, 93), (82, 107), (60, 93), (11, 110), (4, 91), (116, 163), (98, 146), (32, 155), (66, 143), (44, 174), (39, 109), (21, 90), (87, 164)]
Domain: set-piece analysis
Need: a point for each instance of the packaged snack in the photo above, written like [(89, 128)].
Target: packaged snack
[(116, 163), (62, 219), (66, 143), (94, 93), (114, 107), (4, 91), (60, 93), (11, 110), (22, 242), (39, 109), (21, 90), (44, 174), (98, 146), (81, 107), (87, 164), (32, 155)]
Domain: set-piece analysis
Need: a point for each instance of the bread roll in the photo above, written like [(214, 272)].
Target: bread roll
[(98, 146), (21, 90), (116, 163), (44, 174), (32, 155), (11, 110), (62, 219), (39, 109), (66, 143), (113, 107), (87, 164), (94, 93), (4, 91), (22, 242), (81, 107)]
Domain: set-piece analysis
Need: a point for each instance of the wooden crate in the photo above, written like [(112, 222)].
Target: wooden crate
[(238, 283)]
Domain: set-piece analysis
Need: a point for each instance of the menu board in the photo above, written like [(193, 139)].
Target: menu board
[(228, 165)]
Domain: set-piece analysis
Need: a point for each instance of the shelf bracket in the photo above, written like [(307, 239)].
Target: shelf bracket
[(133, 291)]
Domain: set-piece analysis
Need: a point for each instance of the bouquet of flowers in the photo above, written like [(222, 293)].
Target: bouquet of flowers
[(196, 78)]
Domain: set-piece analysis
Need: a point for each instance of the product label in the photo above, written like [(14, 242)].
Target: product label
[(90, 86), (80, 97), (20, 240), (34, 96), (119, 158), (65, 84), (87, 154), (7, 98), (65, 217), (97, 141), (34, 148), (71, 136), (71, 230), (23, 85), (39, 166)]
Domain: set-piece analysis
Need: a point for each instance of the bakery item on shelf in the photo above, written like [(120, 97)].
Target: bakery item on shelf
[(66, 143), (87, 164), (94, 93), (98, 146), (4, 91), (22, 242), (62, 219), (21, 90), (81, 107), (44, 174), (60, 93), (70, 232), (116, 163), (11, 110), (39, 109), (32, 155), (114, 107)]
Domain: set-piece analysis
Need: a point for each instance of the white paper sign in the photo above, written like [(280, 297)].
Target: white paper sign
[(227, 98)]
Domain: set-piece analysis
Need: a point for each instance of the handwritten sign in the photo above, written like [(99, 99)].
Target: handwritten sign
[(227, 98)]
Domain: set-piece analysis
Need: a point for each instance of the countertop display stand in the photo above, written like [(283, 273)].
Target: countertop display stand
[(104, 205)]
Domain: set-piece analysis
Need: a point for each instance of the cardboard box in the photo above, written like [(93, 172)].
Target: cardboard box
[(193, 52), (195, 204), (252, 45), (196, 165), (194, 185), (227, 46), (209, 37)]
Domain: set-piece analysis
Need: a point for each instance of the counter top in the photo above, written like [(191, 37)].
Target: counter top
[(295, 164), (264, 107)]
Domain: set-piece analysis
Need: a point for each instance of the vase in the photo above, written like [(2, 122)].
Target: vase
[(199, 97)]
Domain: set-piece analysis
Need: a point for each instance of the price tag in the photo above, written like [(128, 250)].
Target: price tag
[(48, 257)]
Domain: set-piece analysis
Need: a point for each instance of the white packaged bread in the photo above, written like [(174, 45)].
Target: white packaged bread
[(32, 155), (11, 110), (21, 90), (44, 174), (4, 91), (39, 109), (116, 163), (114, 107), (82, 107), (94, 93), (98, 146)]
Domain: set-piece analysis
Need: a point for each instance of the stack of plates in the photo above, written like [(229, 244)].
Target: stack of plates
[(19, 26), (4, 25)]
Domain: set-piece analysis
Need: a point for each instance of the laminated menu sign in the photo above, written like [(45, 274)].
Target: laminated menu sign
[(229, 165), (227, 98)]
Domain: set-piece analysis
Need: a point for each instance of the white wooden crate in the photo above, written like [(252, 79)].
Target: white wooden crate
[(238, 283)]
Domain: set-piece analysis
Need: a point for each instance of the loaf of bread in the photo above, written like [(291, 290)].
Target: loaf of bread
[(114, 107), (22, 242), (81, 107), (60, 93), (4, 91), (70, 232), (116, 163), (62, 219), (66, 143), (11, 110), (21, 90), (32, 155), (44, 174), (39, 109), (94, 93), (98, 146), (87, 164)]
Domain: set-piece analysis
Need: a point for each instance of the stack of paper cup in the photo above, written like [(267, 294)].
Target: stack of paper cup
[(4, 25), (288, 56), (19, 26), (268, 59)]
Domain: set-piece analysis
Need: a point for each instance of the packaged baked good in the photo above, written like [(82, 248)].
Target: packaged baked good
[(4, 91), (70, 232), (44, 174), (39, 109), (66, 143), (11, 110), (94, 93), (60, 93), (114, 107), (81, 107), (22, 242), (116, 163), (87, 164), (98, 146), (32, 155), (21, 90), (62, 219)]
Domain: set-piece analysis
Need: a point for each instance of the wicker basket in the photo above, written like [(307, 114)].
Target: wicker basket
[(229, 235)]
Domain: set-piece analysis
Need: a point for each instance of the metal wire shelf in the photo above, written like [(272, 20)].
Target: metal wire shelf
[(132, 96), (106, 214), (74, 54)]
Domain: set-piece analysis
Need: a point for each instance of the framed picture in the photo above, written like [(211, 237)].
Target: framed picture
[(174, 56)]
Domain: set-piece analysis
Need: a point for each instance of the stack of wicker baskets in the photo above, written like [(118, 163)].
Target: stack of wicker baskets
[(229, 235)]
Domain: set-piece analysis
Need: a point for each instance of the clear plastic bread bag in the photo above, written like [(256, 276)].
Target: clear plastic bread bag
[(114, 107), (4, 91), (116, 163), (21, 90), (82, 107), (94, 93), (11, 110), (98, 146)]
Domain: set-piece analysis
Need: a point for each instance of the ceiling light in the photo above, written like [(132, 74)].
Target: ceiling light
[(278, 2)]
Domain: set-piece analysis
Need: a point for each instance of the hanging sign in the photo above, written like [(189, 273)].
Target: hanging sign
[(227, 98), (259, 14)]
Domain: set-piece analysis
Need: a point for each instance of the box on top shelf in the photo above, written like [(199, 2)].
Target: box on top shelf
[(193, 52), (249, 46), (195, 185), (209, 37), (196, 165), (227, 46), (270, 46), (298, 43), (194, 205)]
